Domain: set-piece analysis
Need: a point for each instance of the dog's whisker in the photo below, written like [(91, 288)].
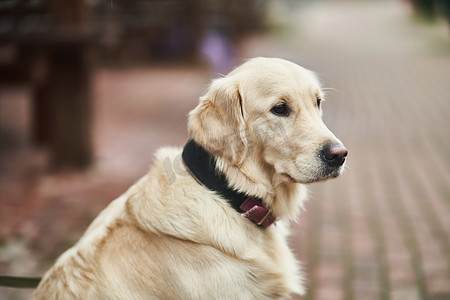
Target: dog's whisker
[(347, 167), (329, 89)]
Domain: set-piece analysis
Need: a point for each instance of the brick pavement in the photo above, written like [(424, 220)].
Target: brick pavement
[(381, 231)]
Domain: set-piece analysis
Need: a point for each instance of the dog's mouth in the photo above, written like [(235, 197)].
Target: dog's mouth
[(291, 179), (322, 175)]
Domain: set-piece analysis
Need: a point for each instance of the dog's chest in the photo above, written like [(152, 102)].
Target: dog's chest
[(273, 267)]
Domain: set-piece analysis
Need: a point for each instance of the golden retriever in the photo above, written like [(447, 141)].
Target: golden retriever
[(211, 221)]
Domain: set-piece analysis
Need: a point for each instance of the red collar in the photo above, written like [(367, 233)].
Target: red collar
[(258, 213)]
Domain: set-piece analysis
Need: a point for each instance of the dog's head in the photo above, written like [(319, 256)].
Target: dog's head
[(269, 111)]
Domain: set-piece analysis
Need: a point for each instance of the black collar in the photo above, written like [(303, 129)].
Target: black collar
[(202, 166)]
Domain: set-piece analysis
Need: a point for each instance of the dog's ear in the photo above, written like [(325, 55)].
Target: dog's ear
[(218, 122)]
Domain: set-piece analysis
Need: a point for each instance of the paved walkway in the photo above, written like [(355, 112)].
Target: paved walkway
[(381, 231)]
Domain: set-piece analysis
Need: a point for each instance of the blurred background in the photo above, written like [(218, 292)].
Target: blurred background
[(89, 89)]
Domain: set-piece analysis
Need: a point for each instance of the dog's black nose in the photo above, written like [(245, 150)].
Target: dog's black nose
[(333, 154)]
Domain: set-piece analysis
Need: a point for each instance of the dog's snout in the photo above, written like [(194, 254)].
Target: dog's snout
[(333, 155)]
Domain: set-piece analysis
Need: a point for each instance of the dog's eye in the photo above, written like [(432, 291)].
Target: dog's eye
[(318, 102), (280, 110)]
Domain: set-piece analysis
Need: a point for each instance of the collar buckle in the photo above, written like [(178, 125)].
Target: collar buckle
[(255, 211)]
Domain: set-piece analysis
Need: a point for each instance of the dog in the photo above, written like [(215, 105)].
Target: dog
[(217, 226)]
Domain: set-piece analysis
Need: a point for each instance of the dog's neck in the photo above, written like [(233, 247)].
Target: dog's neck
[(250, 178), (257, 177), (202, 166)]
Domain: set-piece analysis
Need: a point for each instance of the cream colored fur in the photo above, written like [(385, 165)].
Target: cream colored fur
[(169, 237)]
